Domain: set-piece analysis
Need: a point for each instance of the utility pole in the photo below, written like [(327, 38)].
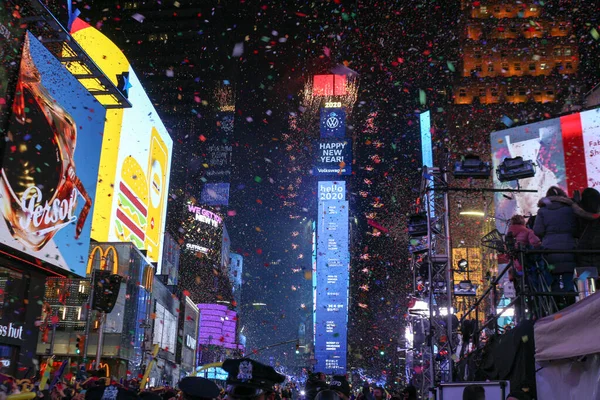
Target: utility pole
[(88, 317)]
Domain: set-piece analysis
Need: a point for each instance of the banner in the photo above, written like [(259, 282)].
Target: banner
[(333, 123), (135, 166), (333, 157), (50, 163), (333, 261)]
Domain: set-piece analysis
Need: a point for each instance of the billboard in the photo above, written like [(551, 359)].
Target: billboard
[(333, 123), (218, 326), (50, 163), (333, 261), (333, 157), (12, 33), (133, 181), (566, 151), (215, 194), (217, 172), (329, 85), (170, 260)]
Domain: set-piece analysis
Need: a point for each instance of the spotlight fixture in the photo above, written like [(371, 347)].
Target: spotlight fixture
[(513, 169), (463, 265), (471, 166)]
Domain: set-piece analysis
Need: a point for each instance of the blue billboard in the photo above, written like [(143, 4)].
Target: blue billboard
[(50, 163), (333, 123), (333, 260), (333, 157), (215, 194)]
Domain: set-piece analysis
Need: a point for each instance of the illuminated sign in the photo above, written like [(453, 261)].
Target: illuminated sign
[(333, 260), (566, 151), (133, 181), (106, 261), (195, 247), (50, 162), (190, 342), (333, 157), (204, 215), (329, 85), (333, 104), (333, 123), (217, 326), (11, 331)]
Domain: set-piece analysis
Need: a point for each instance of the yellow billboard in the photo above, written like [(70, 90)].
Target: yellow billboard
[(133, 181)]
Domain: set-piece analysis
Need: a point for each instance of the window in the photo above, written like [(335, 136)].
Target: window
[(568, 51), (550, 92), (494, 92), (483, 9), (532, 66), (478, 54), (559, 66), (537, 93), (522, 91), (482, 92), (505, 67), (533, 9), (490, 67), (517, 66), (569, 65), (478, 68), (462, 92), (503, 53), (497, 9), (130, 5), (510, 91), (562, 27), (508, 9), (543, 66), (557, 51)]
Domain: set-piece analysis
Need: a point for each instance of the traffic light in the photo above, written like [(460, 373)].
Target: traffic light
[(381, 352), (79, 343), (297, 348)]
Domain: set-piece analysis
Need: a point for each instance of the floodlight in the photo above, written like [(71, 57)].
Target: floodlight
[(463, 265), (471, 166), (513, 169)]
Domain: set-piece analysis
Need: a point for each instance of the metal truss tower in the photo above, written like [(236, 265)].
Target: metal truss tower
[(437, 355)]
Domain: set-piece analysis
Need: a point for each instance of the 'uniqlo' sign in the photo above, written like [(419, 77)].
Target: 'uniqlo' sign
[(329, 85)]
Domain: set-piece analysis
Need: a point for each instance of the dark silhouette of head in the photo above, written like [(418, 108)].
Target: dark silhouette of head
[(474, 392), (556, 191), (590, 200)]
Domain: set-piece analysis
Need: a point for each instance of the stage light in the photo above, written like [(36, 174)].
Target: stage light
[(471, 166), (463, 265), (513, 169), (473, 213), (417, 225)]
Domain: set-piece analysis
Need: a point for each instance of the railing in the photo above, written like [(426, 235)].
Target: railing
[(524, 296)]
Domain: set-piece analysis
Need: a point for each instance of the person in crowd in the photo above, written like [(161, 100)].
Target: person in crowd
[(523, 235), (340, 384), (327, 394), (314, 384), (250, 379), (518, 395), (474, 392), (589, 230), (409, 393), (197, 388), (556, 225)]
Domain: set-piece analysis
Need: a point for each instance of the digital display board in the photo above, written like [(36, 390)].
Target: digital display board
[(333, 123), (217, 326), (333, 260), (566, 151), (333, 157), (217, 163), (133, 182), (50, 163)]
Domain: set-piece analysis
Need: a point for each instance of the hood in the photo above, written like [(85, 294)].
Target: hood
[(556, 202)]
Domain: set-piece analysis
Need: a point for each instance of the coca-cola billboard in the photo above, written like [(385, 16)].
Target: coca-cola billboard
[(50, 164)]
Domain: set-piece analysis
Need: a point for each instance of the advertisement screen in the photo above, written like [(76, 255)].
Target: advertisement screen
[(215, 194), (217, 172), (333, 260), (170, 260), (217, 326), (135, 166), (50, 164), (12, 33), (333, 123), (165, 329), (333, 157), (202, 232), (555, 146)]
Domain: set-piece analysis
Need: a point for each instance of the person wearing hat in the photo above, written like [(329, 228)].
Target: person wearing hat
[(340, 384), (198, 388), (248, 379)]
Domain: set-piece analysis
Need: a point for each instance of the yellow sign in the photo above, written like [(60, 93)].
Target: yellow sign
[(333, 104), (133, 182), (105, 259)]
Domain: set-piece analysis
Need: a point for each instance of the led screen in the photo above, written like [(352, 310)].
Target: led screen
[(217, 326), (565, 150), (136, 156), (333, 259), (50, 164)]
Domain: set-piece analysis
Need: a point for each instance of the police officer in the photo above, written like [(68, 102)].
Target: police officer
[(197, 388), (248, 379)]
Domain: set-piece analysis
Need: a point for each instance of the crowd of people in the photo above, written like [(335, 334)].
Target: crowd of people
[(561, 224)]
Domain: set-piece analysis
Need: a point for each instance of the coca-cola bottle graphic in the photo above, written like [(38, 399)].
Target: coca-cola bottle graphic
[(39, 188)]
